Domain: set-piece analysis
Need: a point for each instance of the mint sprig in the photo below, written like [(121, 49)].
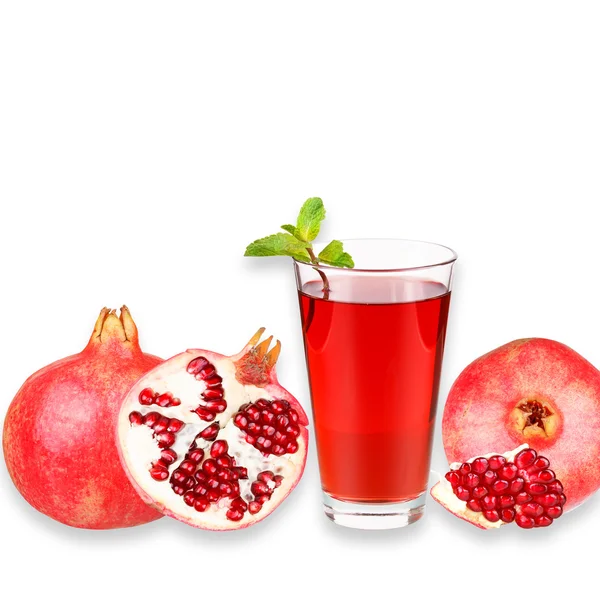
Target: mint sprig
[(297, 242)]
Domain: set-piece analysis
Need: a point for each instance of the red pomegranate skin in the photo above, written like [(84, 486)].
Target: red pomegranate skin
[(59, 442), (534, 391)]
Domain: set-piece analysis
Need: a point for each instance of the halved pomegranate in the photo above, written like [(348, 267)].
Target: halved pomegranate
[(214, 440), (496, 489)]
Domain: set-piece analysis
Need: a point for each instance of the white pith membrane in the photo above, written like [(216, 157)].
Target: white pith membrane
[(443, 493), (140, 448)]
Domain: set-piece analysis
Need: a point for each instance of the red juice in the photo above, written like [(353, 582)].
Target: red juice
[(374, 354)]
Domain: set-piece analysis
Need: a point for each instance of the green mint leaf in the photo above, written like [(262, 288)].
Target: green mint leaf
[(291, 229), (309, 219), (279, 244), (333, 254)]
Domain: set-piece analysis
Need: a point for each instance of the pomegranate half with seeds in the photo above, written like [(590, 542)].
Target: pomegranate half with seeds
[(214, 440), (497, 489)]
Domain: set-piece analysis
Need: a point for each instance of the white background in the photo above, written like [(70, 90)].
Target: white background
[(143, 144)]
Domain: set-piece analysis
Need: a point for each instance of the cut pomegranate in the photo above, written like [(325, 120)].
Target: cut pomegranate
[(493, 490), (226, 445)]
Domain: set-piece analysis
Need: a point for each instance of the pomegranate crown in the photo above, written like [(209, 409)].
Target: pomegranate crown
[(110, 329), (256, 365)]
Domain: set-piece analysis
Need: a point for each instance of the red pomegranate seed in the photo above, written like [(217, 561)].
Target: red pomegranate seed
[(209, 466), (210, 433), (471, 480), (207, 372), (536, 488), (200, 490), (204, 413), (239, 504), (278, 479), (136, 418), (462, 493), (532, 509), (201, 504), (188, 466), (146, 397), (267, 417), (292, 430), (168, 456), (548, 500), (241, 472), (253, 413), (213, 496), (282, 422), (217, 406), (508, 515), (539, 464), (516, 485), (508, 472), (213, 393), (167, 399), (489, 502), (254, 507), (219, 447), (262, 499), (524, 521), (489, 477), (474, 505), (161, 425), (159, 473), (554, 512), (268, 431), (546, 476), (234, 514), (196, 365), (563, 499), (523, 498), (189, 498), (179, 490), (491, 515), (293, 415), (213, 381), (555, 486), (225, 489), (479, 492), (265, 476), (240, 421), (259, 488), (175, 425), (525, 458), (224, 461), (151, 419), (506, 501), (496, 462), (196, 455), (543, 521), (480, 465), (166, 439), (278, 450), (500, 486), (279, 406)]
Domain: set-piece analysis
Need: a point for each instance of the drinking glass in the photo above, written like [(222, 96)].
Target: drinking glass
[(374, 340)]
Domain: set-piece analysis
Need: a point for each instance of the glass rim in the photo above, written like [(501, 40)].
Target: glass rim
[(427, 265)]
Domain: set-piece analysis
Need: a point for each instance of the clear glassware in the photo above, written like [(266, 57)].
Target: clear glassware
[(374, 340)]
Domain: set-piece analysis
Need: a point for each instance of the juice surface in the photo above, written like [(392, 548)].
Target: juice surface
[(374, 354)]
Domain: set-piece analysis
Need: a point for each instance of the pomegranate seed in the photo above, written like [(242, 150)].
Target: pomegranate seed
[(554, 512), (239, 504), (268, 431), (462, 493), (266, 476), (508, 515), (213, 393), (523, 498), (188, 466), (489, 502), (479, 492), (279, 406), (219, 447), (234, 514), (516, 485), (292, 430), (548, 500), (201, 504), (214, 381), (278, 479), (146, 397), (506, 501), (262, 403), (136, 418), (536, 488), (200, 489), (474, 505), (159, 473), (254, 429), (241, 472), (200, 477), (196, 455), (532, 509), (206, 372), (204, 413), (168, 456), (217, 406), (167, 399), (259, 487), (491, 515), (253, 413), (546, 476), (213, 496), (282, 422), (151, 419), (480, 465), (262, 499), (240, 421), (497, 462), (226, 489), (196, 365), (293, 415), (543, 521), (189, 498), (251, 440), (179, 476), (224, 475), (471, 480), (175, 425), (267, 417), (161, 425), (177, 489), (489, 477), (166, 439), (555, 486), (254, 507), (500, 486), (278, 450), (224, 461), (524, 521), (540, 463), (508, 472), (210, 433), (563, 499), (292, 447), (209, 466), (525, 458)]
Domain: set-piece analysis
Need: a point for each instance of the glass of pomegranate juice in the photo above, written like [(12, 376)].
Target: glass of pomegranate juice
[(374, 339)]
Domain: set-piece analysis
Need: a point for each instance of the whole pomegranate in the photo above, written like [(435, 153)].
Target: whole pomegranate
[(214, 440), (59, 433), (536, 392)]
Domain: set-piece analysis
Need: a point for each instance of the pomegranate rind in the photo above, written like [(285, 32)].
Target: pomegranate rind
[(172, 376), (442, 493), (480, 410)]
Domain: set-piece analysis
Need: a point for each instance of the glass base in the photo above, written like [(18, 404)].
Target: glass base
[(383, 515)]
